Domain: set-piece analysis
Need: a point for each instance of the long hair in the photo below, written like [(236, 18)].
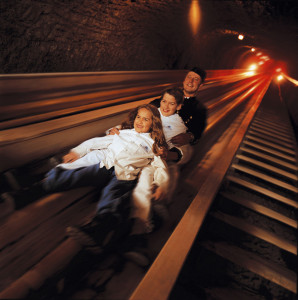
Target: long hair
[(156, 131)]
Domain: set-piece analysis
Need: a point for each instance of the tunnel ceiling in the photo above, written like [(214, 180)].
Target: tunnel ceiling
[(103, 35)]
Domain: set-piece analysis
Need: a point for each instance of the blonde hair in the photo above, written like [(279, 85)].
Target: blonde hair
[(156, 131)]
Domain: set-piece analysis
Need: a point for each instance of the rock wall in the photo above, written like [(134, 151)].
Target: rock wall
[(91, 35), (38, 36)]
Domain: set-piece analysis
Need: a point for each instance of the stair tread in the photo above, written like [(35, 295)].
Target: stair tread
[(254, 263)]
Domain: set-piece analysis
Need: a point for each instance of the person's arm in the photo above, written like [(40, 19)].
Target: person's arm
[(183, 139), (93, 144)]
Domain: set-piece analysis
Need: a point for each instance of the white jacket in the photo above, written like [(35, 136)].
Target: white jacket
[(128, 152)]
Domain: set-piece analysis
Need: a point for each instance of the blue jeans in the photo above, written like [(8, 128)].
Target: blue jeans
[(115, 196), (59, 179)]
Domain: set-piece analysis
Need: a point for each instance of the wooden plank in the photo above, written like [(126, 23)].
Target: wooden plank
[(256, 231), (274, 139), (260, 209), (271, 151), (267, 167), (270, 158), (27, 251), (272, 133), (23, 221), (264, 268), (47, 267), (41, 116), (273, 126), (274, 146), (263, 191), (267, 178)]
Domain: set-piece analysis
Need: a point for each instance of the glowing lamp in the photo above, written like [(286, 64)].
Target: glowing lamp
[(252, 67), (240, 37)]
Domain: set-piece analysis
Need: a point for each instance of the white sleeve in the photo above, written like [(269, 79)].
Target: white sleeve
[(93, 144), (161, 174), (108, 131)]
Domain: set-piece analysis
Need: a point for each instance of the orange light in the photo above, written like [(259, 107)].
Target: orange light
[(278, 70), (252, 67), (252, 49), (240, 37), (280, 77), (194, 16), (259, 53)]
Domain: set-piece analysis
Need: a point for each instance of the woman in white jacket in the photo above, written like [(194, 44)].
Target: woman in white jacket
[(121, 159)]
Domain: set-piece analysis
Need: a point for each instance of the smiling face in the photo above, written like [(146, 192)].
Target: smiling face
[(168, 105), (143, 121), (191, 84)]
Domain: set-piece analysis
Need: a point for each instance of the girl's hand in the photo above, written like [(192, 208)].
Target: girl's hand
[(70, 157), (158, 193), (113, 131)]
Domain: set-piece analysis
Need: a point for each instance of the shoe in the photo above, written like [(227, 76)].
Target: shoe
[(95, 235), (134, 249)]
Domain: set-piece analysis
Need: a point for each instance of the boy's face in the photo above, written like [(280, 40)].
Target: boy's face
[(168, 105), (143, 121)]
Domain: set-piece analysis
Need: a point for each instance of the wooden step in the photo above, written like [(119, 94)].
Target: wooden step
[(263, 191), (273, 126), (272, 145), (261, 155), (269, 150), (271, 133), (260, 209), (256, 231), (273, 139), (264, 177), (267, 167), (264, 268)]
